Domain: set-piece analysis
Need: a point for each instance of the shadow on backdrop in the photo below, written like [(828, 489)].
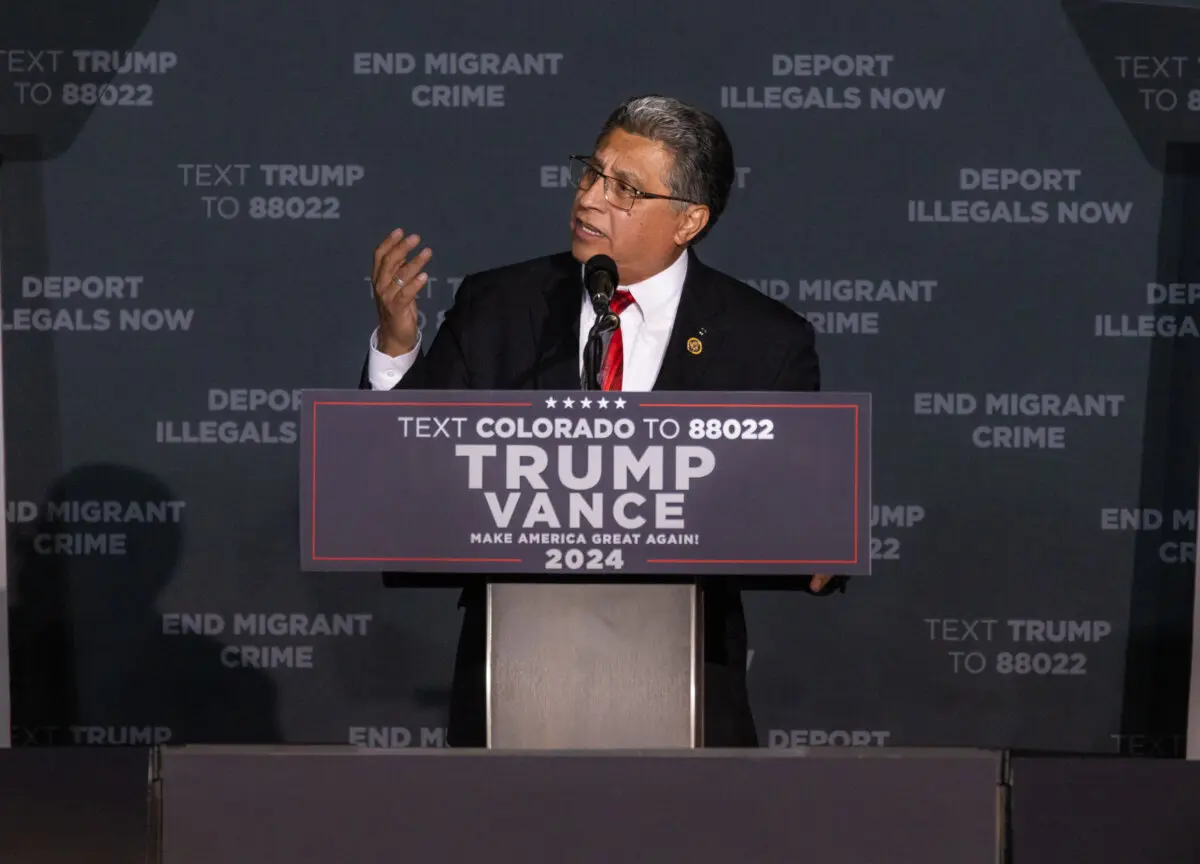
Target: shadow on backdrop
[(1158, 654), (86, 637), (1156, 95), (33, 130), (36, 122)]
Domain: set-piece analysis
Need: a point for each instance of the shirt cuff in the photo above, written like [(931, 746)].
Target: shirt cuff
[(383, 371)]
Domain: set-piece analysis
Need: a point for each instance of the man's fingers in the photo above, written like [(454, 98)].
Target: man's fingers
[(401, 297), (395, 296), (389, 255), (410, 274), (389, 243), (818, 582), (413, 267), (382, 250), (393, 259)]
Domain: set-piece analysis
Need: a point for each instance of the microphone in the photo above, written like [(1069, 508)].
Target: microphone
[(600, 279)]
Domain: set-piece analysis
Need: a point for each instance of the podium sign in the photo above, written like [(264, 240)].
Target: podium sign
[(575, 484)]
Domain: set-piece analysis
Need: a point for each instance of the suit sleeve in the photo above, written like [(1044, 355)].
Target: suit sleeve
[(801, 369), (446, 365)]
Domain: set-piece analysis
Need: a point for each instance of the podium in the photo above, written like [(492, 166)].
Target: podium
[(597, 519), (602, 666)]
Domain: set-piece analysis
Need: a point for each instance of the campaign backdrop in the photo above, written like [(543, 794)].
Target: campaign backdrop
[(988, 211), (5, 702)]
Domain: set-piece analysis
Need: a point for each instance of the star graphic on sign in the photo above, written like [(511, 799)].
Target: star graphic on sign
[(550, 402), (585, 402), (620, 403), (602, 402), (568, 402)]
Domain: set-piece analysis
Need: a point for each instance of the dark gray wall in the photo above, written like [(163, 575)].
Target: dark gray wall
[(1024, 595)]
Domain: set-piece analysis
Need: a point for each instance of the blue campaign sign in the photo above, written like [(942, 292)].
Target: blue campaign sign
[(547, 482)]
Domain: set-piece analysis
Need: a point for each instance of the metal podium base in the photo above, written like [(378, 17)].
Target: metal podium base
[(608, 666)]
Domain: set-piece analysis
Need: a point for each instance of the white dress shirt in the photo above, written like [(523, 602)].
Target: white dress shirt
[(645, 330)]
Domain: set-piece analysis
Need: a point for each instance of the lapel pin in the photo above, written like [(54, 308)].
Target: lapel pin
[(703, 330), (694, 346)]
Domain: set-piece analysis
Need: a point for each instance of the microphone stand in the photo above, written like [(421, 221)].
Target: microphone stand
[(606, 322)]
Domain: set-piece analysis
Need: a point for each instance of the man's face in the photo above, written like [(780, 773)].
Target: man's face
[(648, 237)]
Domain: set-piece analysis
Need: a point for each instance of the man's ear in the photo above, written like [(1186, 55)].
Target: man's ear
[(691, 222)]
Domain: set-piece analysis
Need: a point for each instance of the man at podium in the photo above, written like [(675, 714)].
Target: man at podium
[(653, 187)]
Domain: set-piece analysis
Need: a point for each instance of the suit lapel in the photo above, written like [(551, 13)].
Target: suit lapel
[(554, 319), (696, 335), (555, 323)]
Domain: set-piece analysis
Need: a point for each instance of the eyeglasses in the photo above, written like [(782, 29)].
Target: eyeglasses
[(583, 173)]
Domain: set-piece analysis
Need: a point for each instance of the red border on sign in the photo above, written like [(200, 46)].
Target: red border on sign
[(853, 560), (425, 558), (485, 404)]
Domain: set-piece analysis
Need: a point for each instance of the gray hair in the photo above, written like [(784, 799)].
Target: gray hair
[(703, 168)]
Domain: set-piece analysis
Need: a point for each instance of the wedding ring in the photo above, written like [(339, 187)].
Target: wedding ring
[(399, 281)]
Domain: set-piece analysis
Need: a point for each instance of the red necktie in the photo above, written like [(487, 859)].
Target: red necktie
[(614, 358)]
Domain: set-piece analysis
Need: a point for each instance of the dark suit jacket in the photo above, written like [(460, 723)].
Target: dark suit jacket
[(517, 327)]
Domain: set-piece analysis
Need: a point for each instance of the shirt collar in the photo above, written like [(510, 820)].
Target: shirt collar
[(658, 296)]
